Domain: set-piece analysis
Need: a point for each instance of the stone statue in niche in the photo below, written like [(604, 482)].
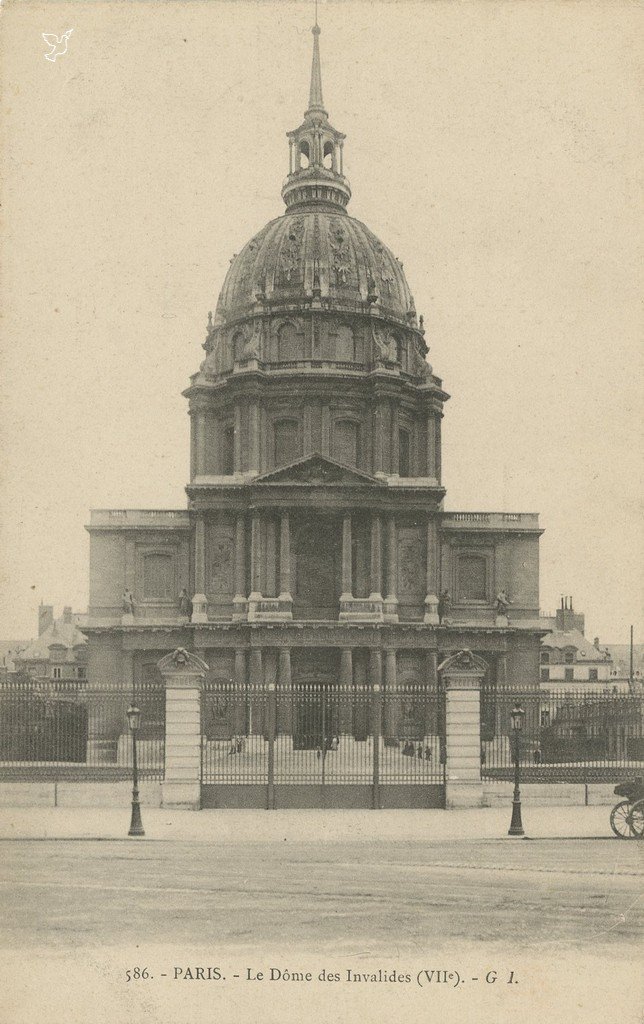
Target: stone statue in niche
[(253, 342), (502, 603), (385, 345), (185, 604), (444, 607)]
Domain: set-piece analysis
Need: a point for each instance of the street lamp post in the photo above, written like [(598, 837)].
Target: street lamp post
[(134, 722), (516, 825)]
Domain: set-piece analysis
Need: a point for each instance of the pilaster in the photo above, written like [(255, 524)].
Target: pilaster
[(199, 602)]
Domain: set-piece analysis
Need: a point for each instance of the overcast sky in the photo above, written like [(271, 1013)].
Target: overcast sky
[(495, 147)]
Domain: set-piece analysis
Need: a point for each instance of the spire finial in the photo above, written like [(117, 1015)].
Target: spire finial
[(315, 95)]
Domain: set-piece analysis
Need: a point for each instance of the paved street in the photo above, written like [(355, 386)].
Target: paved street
[(300, 898)]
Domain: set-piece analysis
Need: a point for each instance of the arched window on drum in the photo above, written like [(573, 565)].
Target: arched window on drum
[(346, 442), (287, 442), (288, 343)]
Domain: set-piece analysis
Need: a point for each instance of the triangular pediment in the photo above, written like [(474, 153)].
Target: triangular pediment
[(318, 469)]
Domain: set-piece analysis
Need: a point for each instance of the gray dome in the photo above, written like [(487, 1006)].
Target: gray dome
[(316, 252)]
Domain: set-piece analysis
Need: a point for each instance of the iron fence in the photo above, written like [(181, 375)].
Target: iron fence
[(69, 730), (314, 733), (568, 735)]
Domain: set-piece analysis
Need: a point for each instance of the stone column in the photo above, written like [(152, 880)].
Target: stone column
[(270, 568), (182, 675), (395, 440), (462, 675), (375, 675), (256, 558), (237, 465), (347, 573), (391, 600), (284, 699), (391, 701), (201, 442), (253, 437), (199, 602), (326, 430), (346, 667), (307, 439), (431, 445), (438, 449), (285, 558), (377, 438), (284, 667), (241, 679), (431, 569), (376, 566), (239, 601)]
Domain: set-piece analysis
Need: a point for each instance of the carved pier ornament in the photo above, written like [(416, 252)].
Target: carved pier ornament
[(340, 253)]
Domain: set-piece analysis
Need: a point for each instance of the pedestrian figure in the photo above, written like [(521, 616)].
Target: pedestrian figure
[(128, 603), (428, 753)]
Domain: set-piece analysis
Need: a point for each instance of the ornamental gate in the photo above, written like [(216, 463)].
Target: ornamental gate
[(322, 744)]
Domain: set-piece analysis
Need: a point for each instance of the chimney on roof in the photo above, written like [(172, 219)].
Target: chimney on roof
[(67, 615), (45, 617)]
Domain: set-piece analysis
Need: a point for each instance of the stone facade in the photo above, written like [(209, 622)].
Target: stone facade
[(315, 543)]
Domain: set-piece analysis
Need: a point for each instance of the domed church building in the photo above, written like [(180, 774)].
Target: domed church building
[(315, 580)]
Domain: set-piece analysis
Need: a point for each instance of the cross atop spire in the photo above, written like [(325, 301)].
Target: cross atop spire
[(316, 103)]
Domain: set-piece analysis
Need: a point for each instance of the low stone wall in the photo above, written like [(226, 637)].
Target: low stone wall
[(551, 794), (77, 794), (119, 794)]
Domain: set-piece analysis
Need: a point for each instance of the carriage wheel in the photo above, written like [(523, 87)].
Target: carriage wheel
[(624, 823), (637, 819)]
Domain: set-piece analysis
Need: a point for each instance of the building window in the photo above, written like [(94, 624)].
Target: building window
[(81, 672), (472, 578), (569, 657), (545, 675), (545, 657), (569, 674), (545, 718), (228, 452), (158, 577), (592, 675), (404, 453), (287, 442), (56, 673)]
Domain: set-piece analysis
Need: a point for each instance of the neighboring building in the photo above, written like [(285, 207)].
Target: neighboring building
[(567, 656), (315, 545), (60, 652), (9, 650)]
